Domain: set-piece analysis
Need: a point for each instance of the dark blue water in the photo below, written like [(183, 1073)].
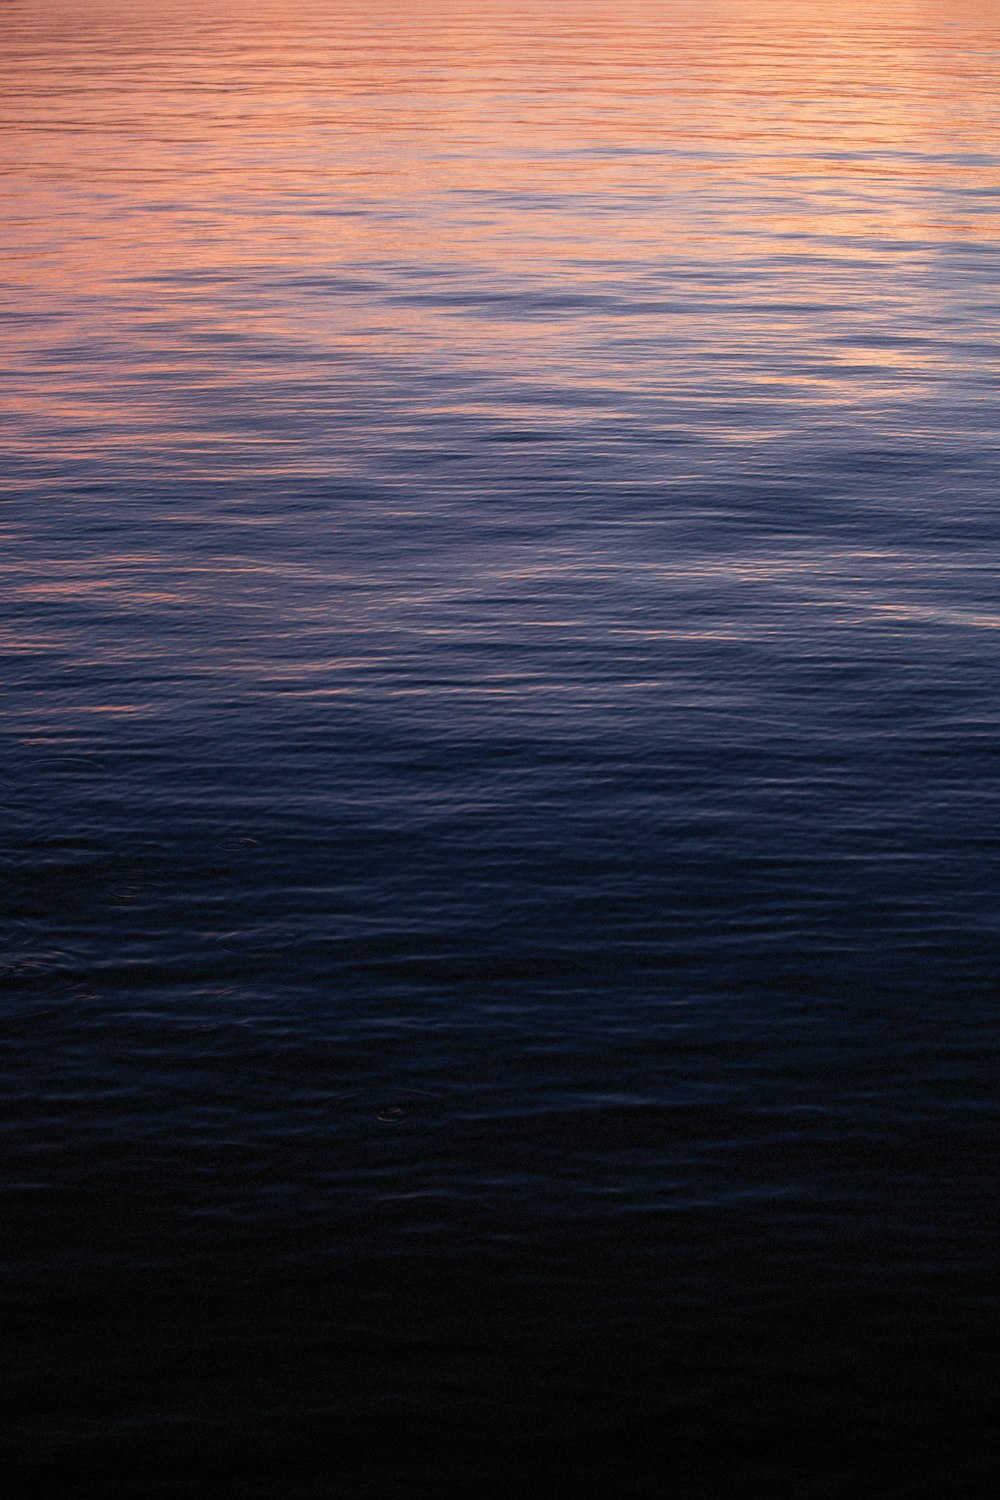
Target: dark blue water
[(499, 753)]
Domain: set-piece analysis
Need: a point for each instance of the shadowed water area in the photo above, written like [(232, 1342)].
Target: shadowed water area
[(499, 829)]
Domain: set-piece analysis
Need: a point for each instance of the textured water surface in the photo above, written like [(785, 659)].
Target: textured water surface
[(500, 646)]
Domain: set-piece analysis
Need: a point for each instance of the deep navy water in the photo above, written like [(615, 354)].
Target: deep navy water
[(499, 750)]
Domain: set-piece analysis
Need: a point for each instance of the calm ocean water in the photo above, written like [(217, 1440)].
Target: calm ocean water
[(499, 777)]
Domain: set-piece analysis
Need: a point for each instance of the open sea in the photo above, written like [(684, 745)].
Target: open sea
[(500, 826)]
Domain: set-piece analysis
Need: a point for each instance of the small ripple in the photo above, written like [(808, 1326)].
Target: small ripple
[(48, 971), (135, 892), (237, 844)]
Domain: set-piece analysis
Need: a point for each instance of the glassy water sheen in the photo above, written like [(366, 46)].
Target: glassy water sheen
[(500, 822)]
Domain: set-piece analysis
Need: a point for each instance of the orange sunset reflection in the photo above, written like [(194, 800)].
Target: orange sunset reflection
[(554, 149)]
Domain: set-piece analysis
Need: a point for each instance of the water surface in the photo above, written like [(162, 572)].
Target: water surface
[(499, 541)]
